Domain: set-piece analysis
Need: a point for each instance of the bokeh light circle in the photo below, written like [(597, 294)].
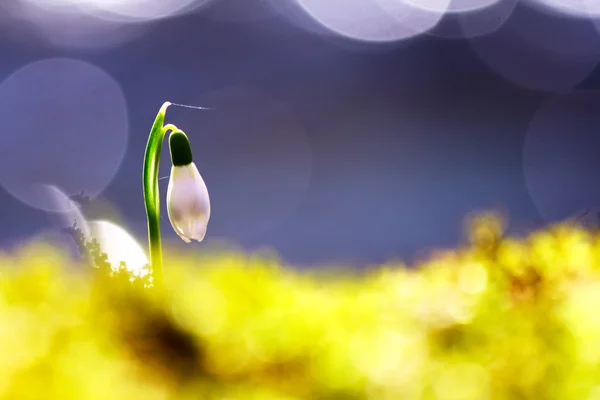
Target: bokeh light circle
[(473, 23), (560, 155), (119, 246), (585, 9), (68, 213), (452, 6), (254, 156), (371, 20), (239, 10), (592, 8), (577, 8), (139, 10), (541, 51), (65, 124), (293, 13), (46, 20)]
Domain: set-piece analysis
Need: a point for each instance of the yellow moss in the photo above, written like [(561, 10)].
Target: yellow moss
[(505, 318)]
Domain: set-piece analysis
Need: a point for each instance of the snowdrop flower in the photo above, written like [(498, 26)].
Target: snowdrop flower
[(187, 198), (188, 204)]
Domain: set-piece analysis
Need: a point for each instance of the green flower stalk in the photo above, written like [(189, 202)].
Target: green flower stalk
[(151, 195), (188, 203)]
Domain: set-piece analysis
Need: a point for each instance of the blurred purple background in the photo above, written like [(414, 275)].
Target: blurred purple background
[(340, 130)]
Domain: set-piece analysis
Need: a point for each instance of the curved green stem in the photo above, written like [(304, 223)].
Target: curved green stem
[(151, 195)]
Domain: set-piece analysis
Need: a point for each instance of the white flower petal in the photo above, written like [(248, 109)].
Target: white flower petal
[(185, 239), (188, 203)]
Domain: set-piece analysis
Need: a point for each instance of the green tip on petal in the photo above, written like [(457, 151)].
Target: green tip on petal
[(181, 152)]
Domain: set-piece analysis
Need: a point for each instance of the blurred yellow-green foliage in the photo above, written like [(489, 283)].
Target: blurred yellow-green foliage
[(501, 318)]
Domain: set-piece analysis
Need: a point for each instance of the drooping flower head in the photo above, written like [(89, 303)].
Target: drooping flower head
[(188, 204)]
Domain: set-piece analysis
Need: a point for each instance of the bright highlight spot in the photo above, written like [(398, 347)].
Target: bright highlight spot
[(462, 381), (119, 246), (472, 278)]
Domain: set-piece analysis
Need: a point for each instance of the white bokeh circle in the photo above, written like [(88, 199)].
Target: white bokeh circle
[(45, 20), (452, 6), (67, 212), (474, 23), (139, 10), (574, 8), (294, 13), (541, 51), (65, 124), (371, 20), (239, 10), (119, 246)]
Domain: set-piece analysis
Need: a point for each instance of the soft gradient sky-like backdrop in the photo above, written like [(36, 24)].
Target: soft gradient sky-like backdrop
[(353, 131)]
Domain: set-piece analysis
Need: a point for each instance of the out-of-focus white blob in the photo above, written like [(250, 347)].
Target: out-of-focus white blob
[(372, 20), (115, 241), (46, 20), (560, 155), (239, 10), (434, 5), (592, 8), (139, 10), (452, 6), (61, 6), (473, 23), (64, 123), (67, 211), (257, 165), (576, 8), (295, 14), (119, 246), (541, 51)]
